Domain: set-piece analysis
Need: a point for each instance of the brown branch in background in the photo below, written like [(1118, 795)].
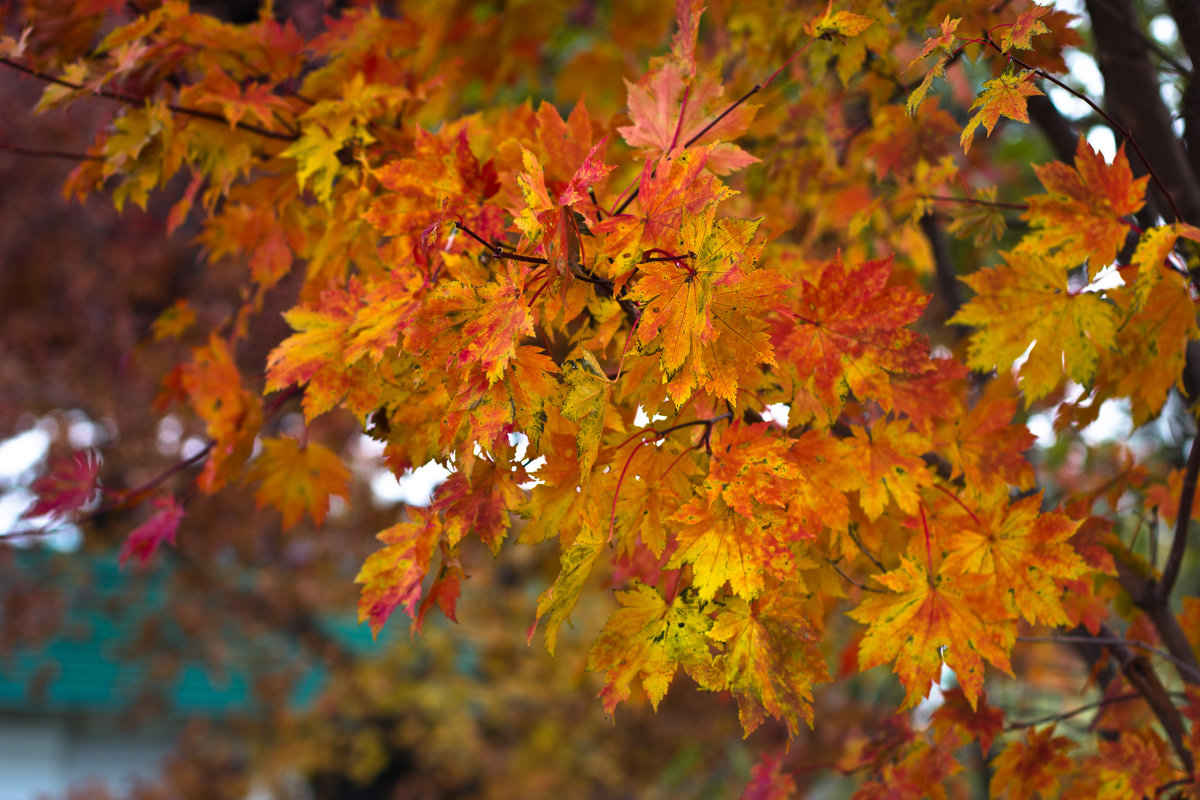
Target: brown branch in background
[(30, 151), (1127, 133), (139, 101), (948, 291), (972, 201), (1132, 94), (1065, 715), (1187, 20), (1170, 572)]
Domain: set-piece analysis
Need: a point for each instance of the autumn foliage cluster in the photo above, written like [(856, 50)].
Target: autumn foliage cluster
[(741, 321)]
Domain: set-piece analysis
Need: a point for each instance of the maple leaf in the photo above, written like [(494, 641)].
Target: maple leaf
[(658, 482), (144, 540), (685, 297), (982, 220), (478, 501), (174, 322), (943, 45), (734, 528), (771, 660), (295, 479), (388, 306), (312, 355), (917, 96), (551, 222), (886, 456), (768, 781), (557, 602), (1029, 301), (1150, 353), (1025, 551), (669, 111), (557, 506), (442, 174), (650, 638), (849, 334), (70, 484), (1032, 766), (842, 24), (1020, 34), (667, 190), (683, 43), (1002, 96), (987, 449), (231, 413), (966, 723), (490, 320), (392, 577), (1153, 250), (924, 619), (1081, 213), (585, 403)]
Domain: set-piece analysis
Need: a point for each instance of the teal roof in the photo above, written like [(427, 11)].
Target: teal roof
[(84, 669)]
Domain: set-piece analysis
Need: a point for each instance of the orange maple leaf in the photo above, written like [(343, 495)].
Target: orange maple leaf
[(1080, 216), (849, 335), (392, 577), (842, 24), (1002, 96), (1153, 250), (296, 479), (1025, 553), (924, 619), (888, 458), (735, 529), (1020, 34), (232, 414), (666, 191), (1033, 766), (711, 291), (668, 110)]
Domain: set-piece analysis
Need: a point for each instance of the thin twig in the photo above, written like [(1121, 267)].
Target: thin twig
[(139, 101), (1121, 698), (1128, 134), (848, 579), (30, 151), (1113, 640), (971, 201), (121, 499)]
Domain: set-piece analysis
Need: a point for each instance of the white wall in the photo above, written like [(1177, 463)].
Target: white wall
[(46, 754)]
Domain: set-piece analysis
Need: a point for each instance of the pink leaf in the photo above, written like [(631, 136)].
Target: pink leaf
[(68, 486), (145, 539)]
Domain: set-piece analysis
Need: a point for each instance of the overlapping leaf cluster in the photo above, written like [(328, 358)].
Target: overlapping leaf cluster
[(708, 390)]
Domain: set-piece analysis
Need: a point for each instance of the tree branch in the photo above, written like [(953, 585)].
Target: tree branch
[(139, 101), (1170, 572), (1131, 89)]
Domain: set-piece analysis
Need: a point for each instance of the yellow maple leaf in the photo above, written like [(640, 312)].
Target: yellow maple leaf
[(843, 24), (1029, 301), (771, 661), (649, 638)]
